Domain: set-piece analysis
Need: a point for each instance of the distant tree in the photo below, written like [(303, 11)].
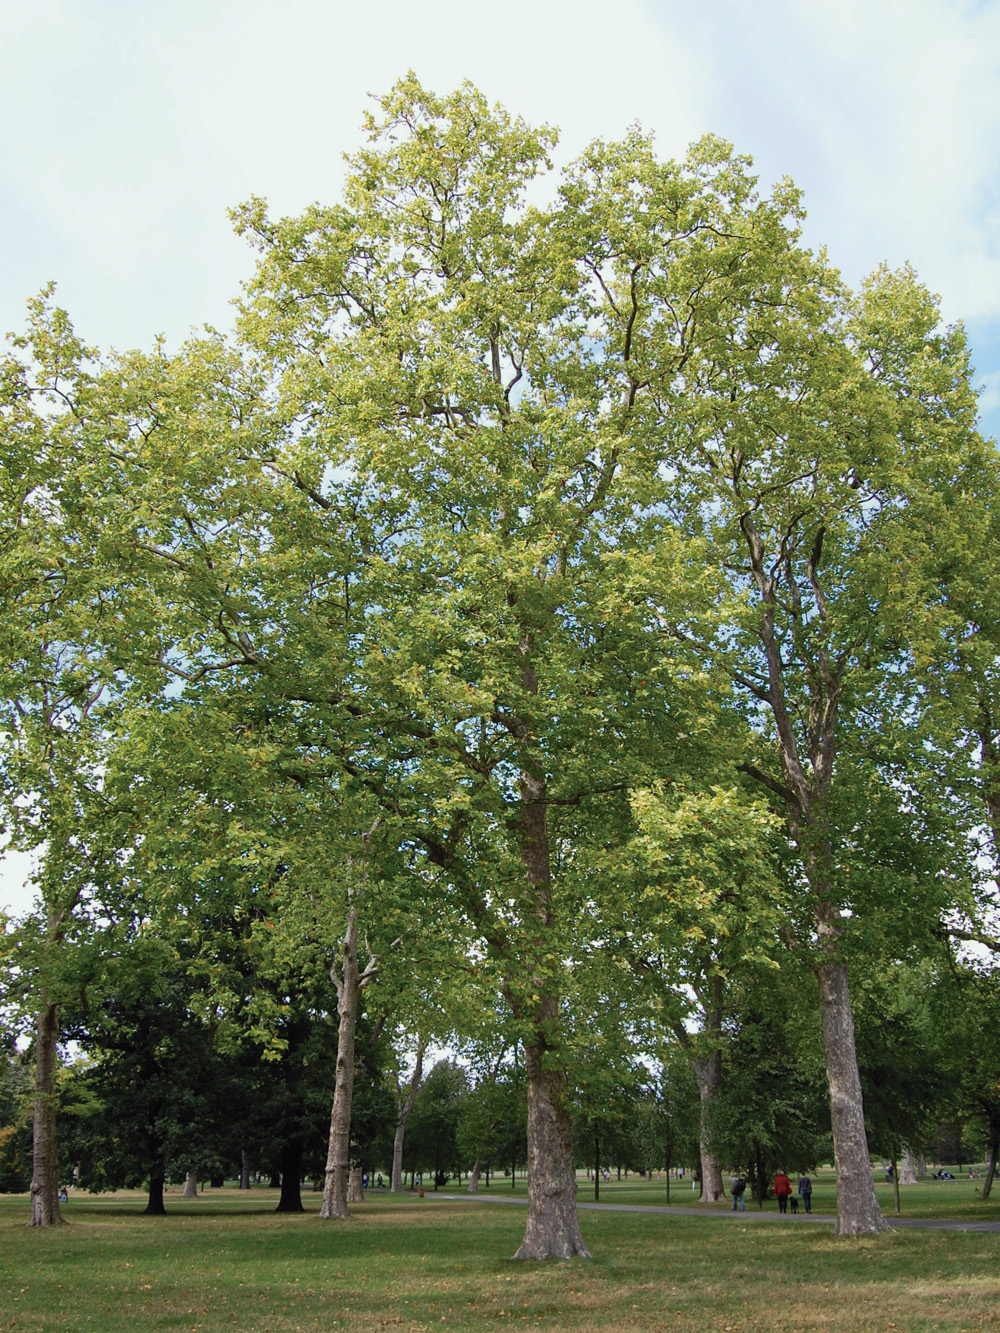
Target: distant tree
[(771, 1113), (432, 1134)]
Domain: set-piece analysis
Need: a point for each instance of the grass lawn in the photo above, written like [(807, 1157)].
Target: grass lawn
[(931, 1198), (226, 1262)]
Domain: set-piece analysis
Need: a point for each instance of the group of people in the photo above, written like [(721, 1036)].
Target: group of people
[(782, 1192)]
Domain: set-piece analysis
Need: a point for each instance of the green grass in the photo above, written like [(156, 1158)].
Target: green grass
[(957, 1199), (227, 1262)]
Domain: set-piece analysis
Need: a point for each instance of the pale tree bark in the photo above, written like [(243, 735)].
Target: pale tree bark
[(991, 1158), (350, 981), (191, 1186), (45, 1152), (908, 1167), (858, 1212), (708, 1076), (473, 1185), (355, 1185), (396, 1186)]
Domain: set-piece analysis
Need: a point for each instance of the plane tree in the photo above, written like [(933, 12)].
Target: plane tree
[(803, 458), (402, 511)]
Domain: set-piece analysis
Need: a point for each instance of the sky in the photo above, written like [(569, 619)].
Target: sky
[(131, 128)]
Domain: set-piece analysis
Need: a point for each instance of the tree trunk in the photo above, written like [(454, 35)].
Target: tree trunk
[(338, 1162), (45, 1151), (709, 1076), (244, 1170), (991, 1160), (396, 1186), (290, 1200), (154, 1205), (473, 1185), (191, 1186), (553, 1229), (908, 1167), (895, 1179), (858, 1212), (597, 1166), (806, 793), (355, 1186)]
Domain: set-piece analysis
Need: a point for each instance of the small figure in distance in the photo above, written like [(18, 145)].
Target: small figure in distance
[(738, 1189), (806, 1192), (63, 1194), (782, 1189)]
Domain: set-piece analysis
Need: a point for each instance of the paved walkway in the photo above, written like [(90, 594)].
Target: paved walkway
[(751, 1214)]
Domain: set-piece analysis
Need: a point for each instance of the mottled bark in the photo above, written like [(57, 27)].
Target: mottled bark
[(858, 1212), (473, 1185), (45, 1153), (191, 1186), (338, 1160), (553, 1228), (355, 1185), (708, 1074), (396, 1186)]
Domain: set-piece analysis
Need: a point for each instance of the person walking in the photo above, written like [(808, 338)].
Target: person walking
[(806, 1192), (738, 1188), (782, 1189)]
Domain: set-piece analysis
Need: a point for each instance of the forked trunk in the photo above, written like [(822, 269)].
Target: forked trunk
[(396, 1186), (709, 1077), (858, 1212), (45, 1153), (553, 1229)]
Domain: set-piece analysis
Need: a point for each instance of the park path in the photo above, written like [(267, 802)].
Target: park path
[(751, 1214)]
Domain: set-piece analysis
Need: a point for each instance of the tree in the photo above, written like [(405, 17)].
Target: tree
[(770, 1113), (710, 914), (481, 500), (804, 463)]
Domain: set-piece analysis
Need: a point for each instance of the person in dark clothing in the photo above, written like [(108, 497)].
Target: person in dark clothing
[(806, 1192), (737, 1188)]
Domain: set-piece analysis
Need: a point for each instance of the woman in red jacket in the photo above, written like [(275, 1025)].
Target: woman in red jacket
[(782, 1189)]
